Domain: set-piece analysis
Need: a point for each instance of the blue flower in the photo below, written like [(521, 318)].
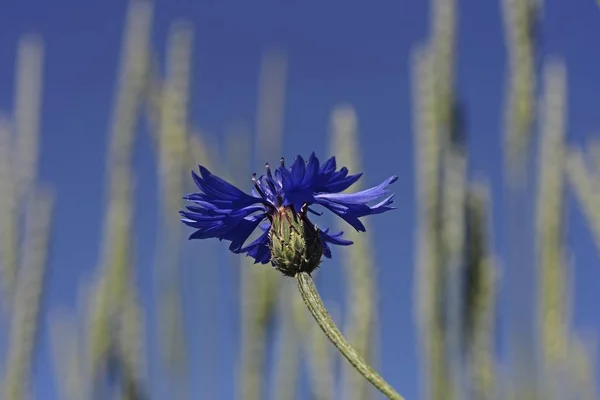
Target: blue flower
[(221, 210)]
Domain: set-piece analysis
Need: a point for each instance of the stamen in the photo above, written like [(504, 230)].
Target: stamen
[(268, 168), (257, 187), (269, 180), (282, 161), (303, 209)]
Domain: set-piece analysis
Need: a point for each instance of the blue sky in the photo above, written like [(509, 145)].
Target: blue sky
[(338, 51)]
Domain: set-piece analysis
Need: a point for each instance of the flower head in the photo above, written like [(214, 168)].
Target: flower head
[(279, 206)]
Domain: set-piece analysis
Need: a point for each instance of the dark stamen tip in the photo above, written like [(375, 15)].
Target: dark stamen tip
[(257, 186), (282, 161), (304, 209)]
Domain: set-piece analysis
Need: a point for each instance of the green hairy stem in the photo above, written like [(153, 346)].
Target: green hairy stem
[(314, 303)]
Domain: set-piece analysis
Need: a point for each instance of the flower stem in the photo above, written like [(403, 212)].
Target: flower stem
[(314, 303)]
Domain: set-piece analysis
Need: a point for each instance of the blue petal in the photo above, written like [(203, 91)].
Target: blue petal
[(213, 185), (221, 217), (333, 239), (351, 207), (348, 212), (329, 167), (235, 231), (382, 206), (215, 203), (226, 227), (242, 232), (278, 179), (364, 196), (259, 248), (297, 171), (287, 181), (219, 192), (274, 185), (211, 214), (268, 186), (338, 185), (328, 180), (294, 193)]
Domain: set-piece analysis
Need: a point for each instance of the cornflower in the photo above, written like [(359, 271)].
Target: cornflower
[(279, 205)]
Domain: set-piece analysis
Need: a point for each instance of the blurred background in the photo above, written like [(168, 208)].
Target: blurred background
[(483, 284)]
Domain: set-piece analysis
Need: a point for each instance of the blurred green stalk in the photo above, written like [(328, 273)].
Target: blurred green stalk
[(259, 290), (479, 296), (116, 280), (521, 23), (30, 283), (552, 277), (169, 98), (358, 260)]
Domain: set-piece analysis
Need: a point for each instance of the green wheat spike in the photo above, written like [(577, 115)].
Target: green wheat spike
[(321, 357), (585, 185), (8, 217), (284, 376), (549, 228), (287, 363), (30, 285), (358, 259), (130, 87), (173, 118), (20, 163), (27, 113), (201, 151), (443, 20), (520, 22), (65, 359), (584, 182), (442, 37), (479, 294), (454, 192), (582, 366), (520, 17), (427, 150), (70, 353), (172, 143), (115, 277), (434, 102), (116, 262), (271, 105), (238, 153), (25, 271), (258, 291), (593, 149), (131, 345)]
